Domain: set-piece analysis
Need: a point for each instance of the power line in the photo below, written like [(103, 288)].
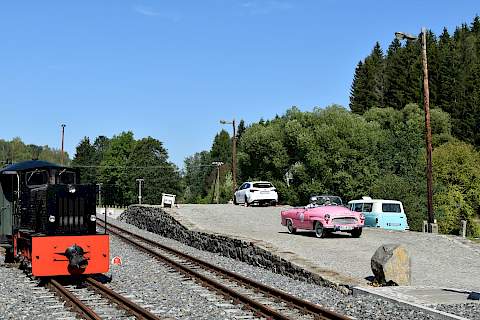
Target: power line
[(122, 167), (139, 167)]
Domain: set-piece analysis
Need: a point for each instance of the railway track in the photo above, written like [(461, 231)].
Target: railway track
[(95, 301), (263, 301)]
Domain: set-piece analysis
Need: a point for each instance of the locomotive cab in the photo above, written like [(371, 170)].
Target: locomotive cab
[(48, 220)]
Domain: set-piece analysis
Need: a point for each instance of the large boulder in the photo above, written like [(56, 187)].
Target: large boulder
[(391, 265)]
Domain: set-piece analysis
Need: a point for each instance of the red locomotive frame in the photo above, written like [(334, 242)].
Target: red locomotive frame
[(47, 254)]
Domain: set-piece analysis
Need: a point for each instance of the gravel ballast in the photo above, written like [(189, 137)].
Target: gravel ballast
[(466, 310), (22, 298)]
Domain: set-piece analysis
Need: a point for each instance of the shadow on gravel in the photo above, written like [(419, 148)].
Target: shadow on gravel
[(370, 278), (311, 234)]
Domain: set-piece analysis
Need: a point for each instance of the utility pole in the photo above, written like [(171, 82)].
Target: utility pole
[(63, 134), (234, 153), (140, 181), (234, 157), (428, 135), (428, 130), (217, 187)]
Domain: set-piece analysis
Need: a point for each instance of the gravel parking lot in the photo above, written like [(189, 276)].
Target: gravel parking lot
[(437, 260)]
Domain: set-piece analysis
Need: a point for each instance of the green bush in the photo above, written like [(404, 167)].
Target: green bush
[(451, 208)]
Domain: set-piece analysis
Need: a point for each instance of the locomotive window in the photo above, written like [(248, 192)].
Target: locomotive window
[(66, 177), (36, 178)]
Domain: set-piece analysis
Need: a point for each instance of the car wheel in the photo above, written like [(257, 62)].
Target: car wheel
[(235, 200), (246, 202), (356, 233), (320, 232), (273, 203), (290, 227)]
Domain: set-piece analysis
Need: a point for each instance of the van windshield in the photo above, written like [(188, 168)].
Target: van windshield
[(391, 207)]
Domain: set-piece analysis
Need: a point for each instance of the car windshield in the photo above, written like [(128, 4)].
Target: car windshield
[(327, 200), (262, 185)]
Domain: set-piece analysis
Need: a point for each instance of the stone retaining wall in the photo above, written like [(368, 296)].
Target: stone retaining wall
[(156, 220)]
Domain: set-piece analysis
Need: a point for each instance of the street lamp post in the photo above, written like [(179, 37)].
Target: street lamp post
[(140, 181), (428, 130), (63, 134), (234, 152), (218, 164)]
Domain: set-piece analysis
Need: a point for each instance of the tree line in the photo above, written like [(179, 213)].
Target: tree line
[(395, 79), (116, 163), (16, 150)]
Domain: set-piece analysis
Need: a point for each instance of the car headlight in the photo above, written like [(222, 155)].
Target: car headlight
[(51, 219), (93, 218)]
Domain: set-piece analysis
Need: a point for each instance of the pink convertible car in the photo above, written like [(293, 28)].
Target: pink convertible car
[(324, 214)]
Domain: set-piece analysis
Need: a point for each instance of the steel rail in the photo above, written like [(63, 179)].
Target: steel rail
[(122, 302), (73, 301), (255, 306), (308, 307)]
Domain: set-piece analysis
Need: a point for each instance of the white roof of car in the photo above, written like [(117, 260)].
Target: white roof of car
[(368, 199), (258, 182)]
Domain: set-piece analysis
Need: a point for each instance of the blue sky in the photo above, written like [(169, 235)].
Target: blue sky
[(173, 69)]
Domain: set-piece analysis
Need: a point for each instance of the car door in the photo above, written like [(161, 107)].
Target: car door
[(237, 193), (241, 193), (298, 217), (370, 216), (305, 218)]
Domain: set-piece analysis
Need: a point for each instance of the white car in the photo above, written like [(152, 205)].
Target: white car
[(258, 192)]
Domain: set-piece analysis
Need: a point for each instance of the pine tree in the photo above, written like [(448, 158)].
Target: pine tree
[(446, 73), (463, 112), (241, 129), (222, 148), (367, 87), (396, 76), (84, 160), (357, 91)]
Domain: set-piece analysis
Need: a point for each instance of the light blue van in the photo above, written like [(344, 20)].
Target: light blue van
[(379, 213)]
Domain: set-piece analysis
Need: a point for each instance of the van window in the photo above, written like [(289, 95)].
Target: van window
[(391, 207), (367, 207), (357, 207)]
